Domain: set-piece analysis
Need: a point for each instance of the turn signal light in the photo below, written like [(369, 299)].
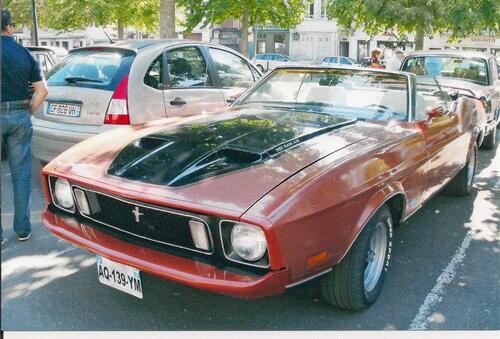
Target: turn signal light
[(317, 259), (82, 202), (199, 235)]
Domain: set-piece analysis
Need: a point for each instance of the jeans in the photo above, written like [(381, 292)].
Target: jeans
[(16, 139)]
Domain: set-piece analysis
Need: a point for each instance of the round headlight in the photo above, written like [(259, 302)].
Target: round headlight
[(248, 241), (62, 191)]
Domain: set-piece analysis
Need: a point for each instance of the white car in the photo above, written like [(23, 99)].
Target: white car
[(269, 61), (340, 61)]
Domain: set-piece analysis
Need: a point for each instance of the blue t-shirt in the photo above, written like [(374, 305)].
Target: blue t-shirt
[(19, 68)]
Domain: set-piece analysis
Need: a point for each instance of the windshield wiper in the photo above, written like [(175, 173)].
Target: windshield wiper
[(81, 79)]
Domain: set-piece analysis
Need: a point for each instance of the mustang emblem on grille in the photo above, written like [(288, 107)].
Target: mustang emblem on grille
[(137, 214)]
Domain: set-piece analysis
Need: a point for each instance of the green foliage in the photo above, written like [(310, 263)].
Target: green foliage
[(78, 14), (21, 10), (460, 17), (281, 13)]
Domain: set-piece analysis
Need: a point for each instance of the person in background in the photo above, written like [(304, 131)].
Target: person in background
[(19, 68), (394, 63), (376, 57)]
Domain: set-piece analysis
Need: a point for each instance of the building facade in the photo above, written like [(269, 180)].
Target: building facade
[(318, 37), (488, 43)]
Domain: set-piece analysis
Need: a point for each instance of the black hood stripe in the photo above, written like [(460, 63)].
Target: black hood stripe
[(189, 153)]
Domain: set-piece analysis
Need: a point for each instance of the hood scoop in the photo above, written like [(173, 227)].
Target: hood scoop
[(221, 161)]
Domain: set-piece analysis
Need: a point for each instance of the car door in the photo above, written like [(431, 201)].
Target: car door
[(190, 84), (445, 144), (235, 74)]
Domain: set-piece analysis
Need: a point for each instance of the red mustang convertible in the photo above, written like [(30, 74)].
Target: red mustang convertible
[(305, 176)]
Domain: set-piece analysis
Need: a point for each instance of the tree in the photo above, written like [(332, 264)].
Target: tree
[(78, 14), (424, 17), (167, 19), (20, 9), (281, 13)]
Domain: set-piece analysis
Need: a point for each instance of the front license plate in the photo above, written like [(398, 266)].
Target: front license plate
[(119, 276), (68, 110)]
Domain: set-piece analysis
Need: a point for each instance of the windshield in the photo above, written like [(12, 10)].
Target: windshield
[(474, 70), (351, 94), (90, 68)]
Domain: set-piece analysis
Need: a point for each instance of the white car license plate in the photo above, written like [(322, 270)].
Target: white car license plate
[(68, 110), (119, 276)]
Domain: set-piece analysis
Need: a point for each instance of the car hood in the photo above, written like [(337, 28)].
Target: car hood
[(229, 161)]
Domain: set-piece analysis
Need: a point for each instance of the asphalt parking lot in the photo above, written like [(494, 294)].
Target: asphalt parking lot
[(444, 275)]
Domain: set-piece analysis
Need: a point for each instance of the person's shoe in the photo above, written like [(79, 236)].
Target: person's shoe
[(24, 236)]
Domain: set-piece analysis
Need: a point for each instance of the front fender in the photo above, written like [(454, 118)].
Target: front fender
[(376, 201)]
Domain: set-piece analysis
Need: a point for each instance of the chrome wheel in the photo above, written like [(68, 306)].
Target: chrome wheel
[(471, 166), (375, 256)]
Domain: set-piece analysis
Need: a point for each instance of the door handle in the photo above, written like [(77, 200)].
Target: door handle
[(231, 101), (177, 102)]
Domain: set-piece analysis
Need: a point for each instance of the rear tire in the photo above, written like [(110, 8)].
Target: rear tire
[(489, 141), (356, 282), (461, 184)]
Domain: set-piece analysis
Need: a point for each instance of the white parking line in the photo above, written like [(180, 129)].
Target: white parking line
[(423, 318)]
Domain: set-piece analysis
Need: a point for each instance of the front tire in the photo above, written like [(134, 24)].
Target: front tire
[(489, 141), (356, 282), (461, 184)]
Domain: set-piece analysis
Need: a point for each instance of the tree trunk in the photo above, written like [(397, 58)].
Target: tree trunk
[(419, 38), (119, 28), (244, 34), (167, 19)]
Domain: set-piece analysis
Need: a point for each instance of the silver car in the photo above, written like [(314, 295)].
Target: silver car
[(469, 73), (98, 88), (269, 61)]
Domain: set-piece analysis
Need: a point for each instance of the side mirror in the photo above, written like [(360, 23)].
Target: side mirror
[(436, 112)]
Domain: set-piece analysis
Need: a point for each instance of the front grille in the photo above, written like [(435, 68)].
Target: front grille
[(152, 223)]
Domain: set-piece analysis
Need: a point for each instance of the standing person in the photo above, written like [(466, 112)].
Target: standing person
[(376, 57), (394, 63), (19, 68)]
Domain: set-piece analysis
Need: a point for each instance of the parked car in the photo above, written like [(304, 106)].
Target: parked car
[(99, 88), (269, 61), (339, 61), (305, 176), (59, 52), (45, 56), (472, 73)]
